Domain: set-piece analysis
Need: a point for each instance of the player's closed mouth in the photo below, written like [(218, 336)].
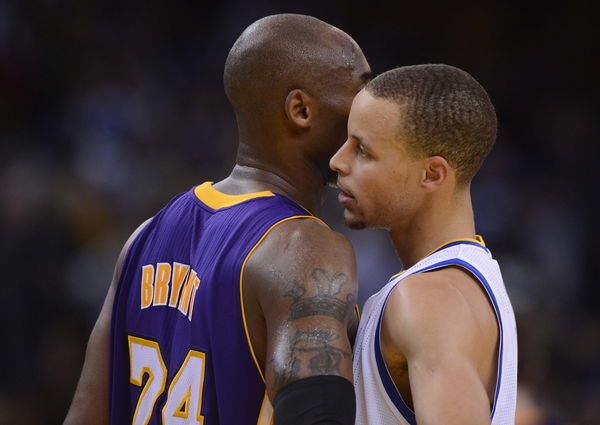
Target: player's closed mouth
[(344, 196)]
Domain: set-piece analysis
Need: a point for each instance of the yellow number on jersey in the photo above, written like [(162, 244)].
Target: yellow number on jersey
[(184, 399), (185, 392)]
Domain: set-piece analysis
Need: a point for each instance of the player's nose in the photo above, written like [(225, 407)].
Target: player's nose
[(338, 162)]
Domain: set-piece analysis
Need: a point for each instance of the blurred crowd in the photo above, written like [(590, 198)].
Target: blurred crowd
[(110, 108)]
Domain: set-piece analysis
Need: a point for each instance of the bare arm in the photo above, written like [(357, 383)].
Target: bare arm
[(430, 321), (90, 402), (304, 280)]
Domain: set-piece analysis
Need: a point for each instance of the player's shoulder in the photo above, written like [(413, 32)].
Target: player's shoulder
[(439, 310), (306, 236), (430, 291), (299, 247), (426, 301), (444, 283), (128, 243)]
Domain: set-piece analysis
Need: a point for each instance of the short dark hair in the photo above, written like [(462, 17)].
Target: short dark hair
[(448, 113)]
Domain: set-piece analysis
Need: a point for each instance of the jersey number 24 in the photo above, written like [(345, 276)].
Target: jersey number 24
[(184, 399)]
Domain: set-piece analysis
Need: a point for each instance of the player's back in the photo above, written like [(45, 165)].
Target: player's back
[(179, 346)]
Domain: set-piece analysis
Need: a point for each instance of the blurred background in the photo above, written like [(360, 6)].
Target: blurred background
[(110, 108)]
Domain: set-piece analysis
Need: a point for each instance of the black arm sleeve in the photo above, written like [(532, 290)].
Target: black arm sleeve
[(318, 400)]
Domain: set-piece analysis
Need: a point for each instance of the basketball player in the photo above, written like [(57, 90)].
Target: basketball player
[(235, 294), (437, 344)]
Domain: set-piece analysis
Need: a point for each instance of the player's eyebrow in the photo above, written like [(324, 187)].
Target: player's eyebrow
[(367, 76), (360, 140)]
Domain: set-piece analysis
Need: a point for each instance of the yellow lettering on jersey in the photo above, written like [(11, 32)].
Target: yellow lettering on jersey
[(182, 279), (180, 271), (184, 300), (161, 284), (196, 283), (146, 287)]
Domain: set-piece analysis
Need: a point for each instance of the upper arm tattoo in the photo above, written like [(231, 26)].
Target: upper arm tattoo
[(325, 361), (326, 302), (314, 351)]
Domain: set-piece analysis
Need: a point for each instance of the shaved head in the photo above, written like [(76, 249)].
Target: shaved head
[(282, 52), (291, 80)]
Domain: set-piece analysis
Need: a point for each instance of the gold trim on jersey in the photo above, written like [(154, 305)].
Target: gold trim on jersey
[(265, 416), (478, 239), (242, 282), (215, 199), (396, 275)]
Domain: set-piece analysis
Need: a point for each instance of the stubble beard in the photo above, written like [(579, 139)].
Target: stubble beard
[(353, 222)]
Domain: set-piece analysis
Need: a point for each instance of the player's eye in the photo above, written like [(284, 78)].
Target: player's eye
[(361, 151)]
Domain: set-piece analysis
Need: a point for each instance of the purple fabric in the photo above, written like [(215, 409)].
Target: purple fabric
[(215, 244)]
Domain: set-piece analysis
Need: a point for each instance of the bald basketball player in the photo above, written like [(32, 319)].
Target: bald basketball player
[(235, 304), (437, 344)]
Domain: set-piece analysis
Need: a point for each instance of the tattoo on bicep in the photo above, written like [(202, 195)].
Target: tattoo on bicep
[(286, 372), (328, 301), (325, 359)]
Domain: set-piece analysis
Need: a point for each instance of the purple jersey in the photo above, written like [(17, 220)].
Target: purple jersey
[(180, 352)]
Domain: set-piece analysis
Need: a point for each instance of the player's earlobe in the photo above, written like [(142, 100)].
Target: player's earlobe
[(298, 108), (436, 172)]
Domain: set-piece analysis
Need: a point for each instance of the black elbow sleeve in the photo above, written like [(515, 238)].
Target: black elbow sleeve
[(317, 400)]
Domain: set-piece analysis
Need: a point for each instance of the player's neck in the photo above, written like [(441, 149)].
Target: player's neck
[(436, 224), (250, 176)]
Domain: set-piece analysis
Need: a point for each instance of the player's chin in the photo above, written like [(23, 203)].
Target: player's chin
[(353, 222)]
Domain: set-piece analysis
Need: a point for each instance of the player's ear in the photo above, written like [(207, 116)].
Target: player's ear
[(435, 173), (298, 108)]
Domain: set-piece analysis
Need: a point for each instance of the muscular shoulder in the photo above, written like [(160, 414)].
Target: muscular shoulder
[(301, 259), (438, 310), (294, 243), (125, 249)]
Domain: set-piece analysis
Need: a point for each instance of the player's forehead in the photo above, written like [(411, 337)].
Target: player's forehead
[(342, 52), (362, 71), (374, 119), (374, 111)]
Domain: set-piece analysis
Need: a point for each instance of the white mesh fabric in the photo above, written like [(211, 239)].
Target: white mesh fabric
[(373, 403)]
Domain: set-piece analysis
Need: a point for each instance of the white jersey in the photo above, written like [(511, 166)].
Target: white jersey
[(378, 400)]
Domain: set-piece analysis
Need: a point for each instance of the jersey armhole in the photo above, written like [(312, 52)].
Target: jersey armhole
[(386, 378)]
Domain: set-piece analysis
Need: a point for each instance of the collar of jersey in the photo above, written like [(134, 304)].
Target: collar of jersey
[(478, 241), (210, 196)]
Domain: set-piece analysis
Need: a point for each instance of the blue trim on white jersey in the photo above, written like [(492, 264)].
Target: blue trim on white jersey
[(386, 378), (449, 244), (462, 242)]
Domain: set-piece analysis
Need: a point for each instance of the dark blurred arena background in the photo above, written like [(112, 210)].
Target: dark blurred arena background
[(109, 108)]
